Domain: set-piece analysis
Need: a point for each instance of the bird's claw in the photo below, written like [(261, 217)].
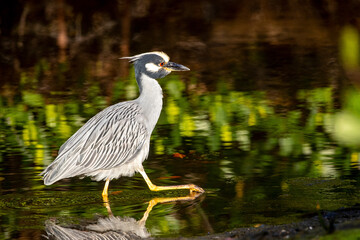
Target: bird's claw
[(197, 189)]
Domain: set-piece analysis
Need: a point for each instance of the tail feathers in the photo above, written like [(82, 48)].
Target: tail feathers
[(55, 172), (50, 174), (53, 175)]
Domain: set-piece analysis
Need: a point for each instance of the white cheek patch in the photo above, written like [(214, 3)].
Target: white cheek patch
[(151, 67)]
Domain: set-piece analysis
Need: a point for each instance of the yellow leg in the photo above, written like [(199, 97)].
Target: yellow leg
[(191, 187), (105, 191), (105, 196)]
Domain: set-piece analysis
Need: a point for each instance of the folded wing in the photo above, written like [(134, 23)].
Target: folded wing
[(109, 139)]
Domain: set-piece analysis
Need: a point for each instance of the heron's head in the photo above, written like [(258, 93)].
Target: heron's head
[(154, 64)]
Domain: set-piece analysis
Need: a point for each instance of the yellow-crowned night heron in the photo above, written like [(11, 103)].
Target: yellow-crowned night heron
[(116, 141)]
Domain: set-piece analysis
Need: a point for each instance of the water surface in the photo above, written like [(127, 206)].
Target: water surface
[(266, 124)]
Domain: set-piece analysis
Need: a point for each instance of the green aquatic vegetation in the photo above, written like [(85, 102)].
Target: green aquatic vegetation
[(349, 234), (73, 207), (39, 201)]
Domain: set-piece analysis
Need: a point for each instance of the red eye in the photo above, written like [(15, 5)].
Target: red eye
[(161, 64)]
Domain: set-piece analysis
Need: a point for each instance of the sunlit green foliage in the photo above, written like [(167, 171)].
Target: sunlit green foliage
[(347, 121), (350, 47), (217, 120)]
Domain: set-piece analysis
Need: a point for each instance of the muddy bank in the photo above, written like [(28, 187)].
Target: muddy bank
[(313, 225)]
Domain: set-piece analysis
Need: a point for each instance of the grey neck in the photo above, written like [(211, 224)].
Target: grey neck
[(150, 99)]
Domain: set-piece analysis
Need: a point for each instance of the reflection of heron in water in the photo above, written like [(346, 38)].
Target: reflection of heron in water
[(106, 228), (111, 227)]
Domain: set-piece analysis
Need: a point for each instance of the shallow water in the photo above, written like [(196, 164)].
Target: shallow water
[(261, 124)]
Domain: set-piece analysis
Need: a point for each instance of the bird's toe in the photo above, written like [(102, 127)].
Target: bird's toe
[(198, 189)]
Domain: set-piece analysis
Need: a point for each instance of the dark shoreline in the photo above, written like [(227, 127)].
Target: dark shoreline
[(313, 225)]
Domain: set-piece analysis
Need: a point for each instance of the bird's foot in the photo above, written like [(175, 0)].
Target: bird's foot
[(194, 188)]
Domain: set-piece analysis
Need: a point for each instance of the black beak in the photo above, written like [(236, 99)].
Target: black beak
[(171, 66)]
